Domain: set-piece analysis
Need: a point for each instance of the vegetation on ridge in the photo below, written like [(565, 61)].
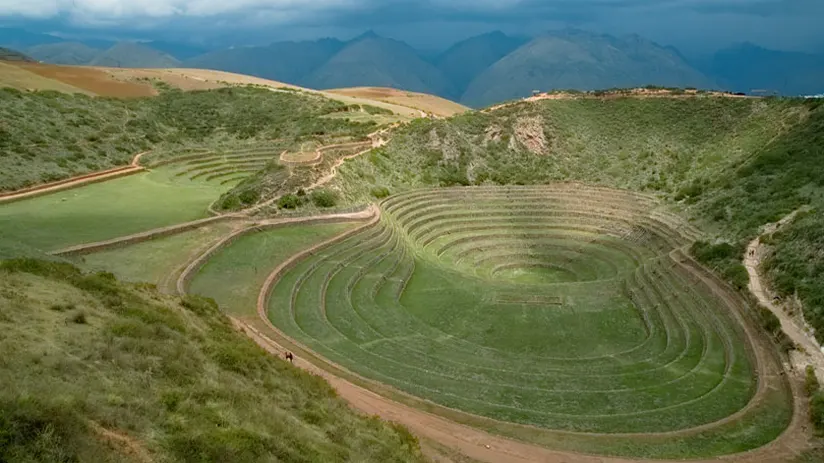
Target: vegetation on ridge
[(46, 136)]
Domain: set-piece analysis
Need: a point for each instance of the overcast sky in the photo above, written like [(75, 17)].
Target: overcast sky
[(694, 26)]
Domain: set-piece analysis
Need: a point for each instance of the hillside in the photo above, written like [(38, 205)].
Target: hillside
[(748, 68), (71, 53), (582, 61), (430, 104), (732, 165), (7, 54), (375, 61), (95, 370), (465, 60), (287, 62), (46, 137), (133, 55)]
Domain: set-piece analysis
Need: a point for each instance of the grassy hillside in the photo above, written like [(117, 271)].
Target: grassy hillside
[(7, 54), (581, 61), (732, 164), (98, 371), (72, 53), (46, 136), (375, 61), (134, 55), (283, 61)]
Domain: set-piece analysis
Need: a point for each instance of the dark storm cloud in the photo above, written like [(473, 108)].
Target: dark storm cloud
[(786, 22)]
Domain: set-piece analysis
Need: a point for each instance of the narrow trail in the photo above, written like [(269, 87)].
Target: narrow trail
[(810, 352), (77, 181)]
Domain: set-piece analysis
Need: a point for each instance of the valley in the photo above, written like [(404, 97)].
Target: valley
[(556, 278)]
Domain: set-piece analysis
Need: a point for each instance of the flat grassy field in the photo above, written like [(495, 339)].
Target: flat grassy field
[(234, 275), (154, 261), (107, 210), (564, 308)]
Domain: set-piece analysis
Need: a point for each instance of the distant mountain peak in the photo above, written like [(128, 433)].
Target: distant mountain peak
[(370, 34)]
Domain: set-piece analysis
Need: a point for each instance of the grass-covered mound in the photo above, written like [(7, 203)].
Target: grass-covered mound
[(46, 136), (97, 371), (733, 164)]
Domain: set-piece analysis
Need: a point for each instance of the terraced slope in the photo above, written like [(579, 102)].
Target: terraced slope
[(228, 167), (568, 308)]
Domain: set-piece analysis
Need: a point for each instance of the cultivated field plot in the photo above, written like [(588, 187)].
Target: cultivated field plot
[(156, 261), (234, 275), (225, 167), (108, 210), (561, 307)]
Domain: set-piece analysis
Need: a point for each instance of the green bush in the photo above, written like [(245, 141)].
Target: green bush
[(380, 192), (769, 320), (289, 202), (817, 411), (324, 198), (811, 385)]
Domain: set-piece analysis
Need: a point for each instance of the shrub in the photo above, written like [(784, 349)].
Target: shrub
[(289, 202), (817, 411), (769, 320), (79, 318), (249, 197), (380, 192), (811, 385), (324, 198)]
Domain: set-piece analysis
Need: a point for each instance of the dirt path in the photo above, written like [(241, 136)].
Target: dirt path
[(126, 444), (810, 352), (74, 182)]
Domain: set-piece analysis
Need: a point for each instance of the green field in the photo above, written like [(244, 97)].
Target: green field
[(234, 275), (108, 210), (157, 260), (565, 307)]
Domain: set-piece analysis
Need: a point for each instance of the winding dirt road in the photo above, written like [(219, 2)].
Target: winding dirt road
[(810, 352)]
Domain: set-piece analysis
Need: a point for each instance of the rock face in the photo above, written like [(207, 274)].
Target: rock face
[(529, 133)]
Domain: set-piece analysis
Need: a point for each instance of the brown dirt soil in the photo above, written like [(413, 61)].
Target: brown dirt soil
[(191, 79), (428, 103), (124, 443), (93, 80), (14, 76), (629, 93)]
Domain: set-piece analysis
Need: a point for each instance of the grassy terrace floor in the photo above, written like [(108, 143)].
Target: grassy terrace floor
[(157, 260), (107, 210), (567, 309), (234, 275)]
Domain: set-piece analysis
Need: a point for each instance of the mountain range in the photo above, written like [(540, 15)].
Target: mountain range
[(478, 71)]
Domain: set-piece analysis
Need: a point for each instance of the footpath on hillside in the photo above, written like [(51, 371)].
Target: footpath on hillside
[(809, 352)]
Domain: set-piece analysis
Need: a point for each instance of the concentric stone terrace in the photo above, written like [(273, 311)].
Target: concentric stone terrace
[(564, 307)]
